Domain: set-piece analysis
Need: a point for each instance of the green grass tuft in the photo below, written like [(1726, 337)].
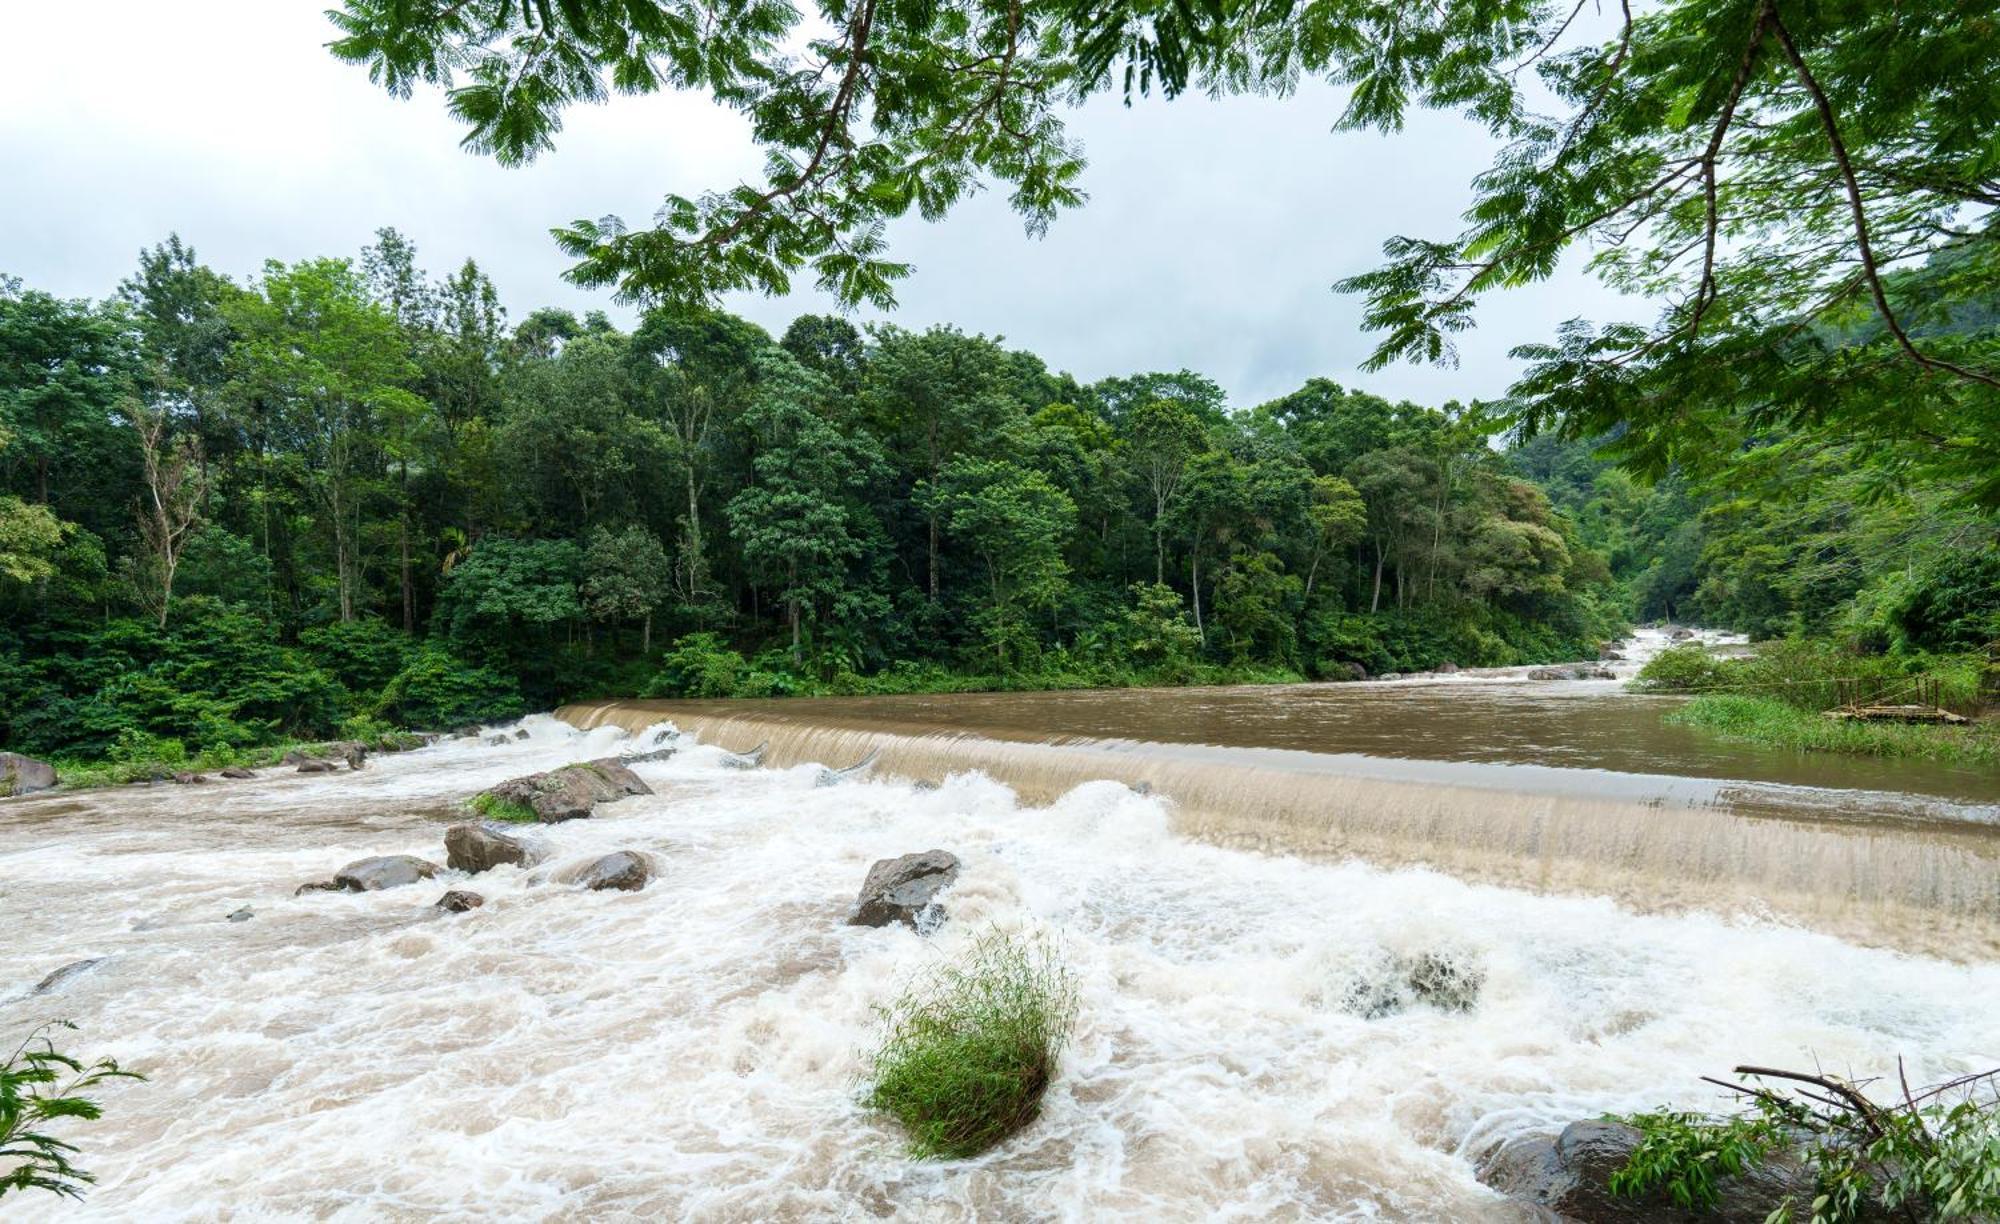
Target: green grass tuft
[(493, 807), (970, 1048)]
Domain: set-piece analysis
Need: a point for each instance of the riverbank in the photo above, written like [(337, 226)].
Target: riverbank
[(170, 760)]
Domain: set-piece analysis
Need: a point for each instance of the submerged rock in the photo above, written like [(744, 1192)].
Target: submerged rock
[(834, 777), (521, 733), (473, 848), (187, 777), (1569, 1175), (497, 741), (243, 915), (375, 874), (63, 976), (746, 760), (24, 775), (1680, 635), (458, 901), (569, 793), (314, 766), (1446, 981), (237, 771), (905, 890), (623, 870)]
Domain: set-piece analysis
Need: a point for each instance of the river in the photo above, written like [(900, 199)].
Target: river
[(1221, 868)]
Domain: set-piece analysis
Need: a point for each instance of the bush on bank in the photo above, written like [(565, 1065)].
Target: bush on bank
[(969, 1049)]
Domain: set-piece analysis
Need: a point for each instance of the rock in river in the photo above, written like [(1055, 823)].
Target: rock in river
[(624, 870), (569, 793), (375, 874), (905, 890), (458, 901), (473, 848), (1569, 1175), (23, 775)]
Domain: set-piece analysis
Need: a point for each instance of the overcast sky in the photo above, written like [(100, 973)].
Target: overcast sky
[(1211, 240)]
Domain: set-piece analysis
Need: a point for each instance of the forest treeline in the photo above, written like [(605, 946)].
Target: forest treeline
[(344, 493)]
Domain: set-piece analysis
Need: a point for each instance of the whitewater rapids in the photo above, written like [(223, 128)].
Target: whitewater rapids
[(695, 1050)]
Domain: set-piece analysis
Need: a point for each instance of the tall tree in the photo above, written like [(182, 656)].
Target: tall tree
[(333, 364), (1165, 436), (693, 368)]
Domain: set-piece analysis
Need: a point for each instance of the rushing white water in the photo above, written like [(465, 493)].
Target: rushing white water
[(694, 1050)]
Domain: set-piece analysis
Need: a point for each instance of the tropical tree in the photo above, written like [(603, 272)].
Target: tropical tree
[(1164, 436), (329, 366), (798, 523), (1017, 523)]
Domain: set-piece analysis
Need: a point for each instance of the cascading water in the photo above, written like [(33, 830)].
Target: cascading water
[(693, 1050)]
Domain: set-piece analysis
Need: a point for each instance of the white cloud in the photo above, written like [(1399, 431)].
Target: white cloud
[(1213, 233)]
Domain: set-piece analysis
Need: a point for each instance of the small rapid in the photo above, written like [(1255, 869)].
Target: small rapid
[(694, 1050)]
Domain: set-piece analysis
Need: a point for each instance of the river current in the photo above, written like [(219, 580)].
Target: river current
[(695, 1050)]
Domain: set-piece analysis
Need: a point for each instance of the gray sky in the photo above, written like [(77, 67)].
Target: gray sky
[(1213, 232)]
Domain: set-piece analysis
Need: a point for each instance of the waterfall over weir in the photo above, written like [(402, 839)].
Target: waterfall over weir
[(1909, 870)]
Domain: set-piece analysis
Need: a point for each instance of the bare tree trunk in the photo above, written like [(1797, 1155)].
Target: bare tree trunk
[(646, 636), (1375, 601), (1194, 581), (403, 546)]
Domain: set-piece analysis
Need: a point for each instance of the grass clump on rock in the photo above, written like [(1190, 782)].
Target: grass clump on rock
[(970, 1047), (494, 807)]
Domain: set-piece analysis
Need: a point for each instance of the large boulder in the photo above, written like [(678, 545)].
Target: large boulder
[(905, 890), (623, 870), (473, 848), (1569, 1175), (1680, 635), (375, 874), (569, 793), (24, 775)]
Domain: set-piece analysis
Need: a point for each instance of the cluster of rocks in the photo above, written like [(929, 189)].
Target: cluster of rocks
[(1573, 671), (569, 793)]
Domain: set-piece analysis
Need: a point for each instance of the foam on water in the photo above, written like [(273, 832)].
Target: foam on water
[(694, 1050)]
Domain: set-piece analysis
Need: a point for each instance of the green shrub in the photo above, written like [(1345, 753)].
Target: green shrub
[(1924, 1155), (364, 655), (1687, 668), (39, 1085), (699, 665), (969, 1050), (436, 689)]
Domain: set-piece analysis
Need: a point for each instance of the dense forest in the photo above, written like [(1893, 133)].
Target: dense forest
[(343, 492)]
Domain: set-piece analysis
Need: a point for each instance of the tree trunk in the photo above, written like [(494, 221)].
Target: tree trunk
[(1194, 568), (1375, 601), (934, 556), (694, 538), (403, 547), (646, 636)]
